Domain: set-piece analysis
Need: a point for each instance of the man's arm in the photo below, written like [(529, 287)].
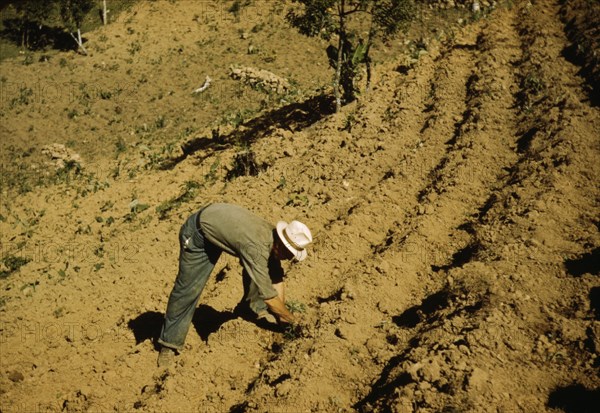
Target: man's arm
[(280, 290), (278, 308)]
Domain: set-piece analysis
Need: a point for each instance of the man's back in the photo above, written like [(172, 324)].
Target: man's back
[(237, 231)]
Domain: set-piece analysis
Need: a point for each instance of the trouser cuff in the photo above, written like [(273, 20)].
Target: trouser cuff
[(172, 346)]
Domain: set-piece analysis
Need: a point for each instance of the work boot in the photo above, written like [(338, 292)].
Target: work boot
[(165, 357)]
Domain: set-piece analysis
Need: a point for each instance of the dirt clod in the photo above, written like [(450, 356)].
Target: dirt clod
[(16, 376)]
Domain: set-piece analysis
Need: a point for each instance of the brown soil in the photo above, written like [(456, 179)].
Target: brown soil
[(454, 208)]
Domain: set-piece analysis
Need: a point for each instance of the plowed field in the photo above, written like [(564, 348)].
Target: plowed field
[(454, 208)]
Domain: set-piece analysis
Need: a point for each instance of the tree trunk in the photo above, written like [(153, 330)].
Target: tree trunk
[(338, 69), (367, 58), (104, 13), (338, 76), (79, 41)]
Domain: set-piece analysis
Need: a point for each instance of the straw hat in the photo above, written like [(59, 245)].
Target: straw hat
[(295, 236)]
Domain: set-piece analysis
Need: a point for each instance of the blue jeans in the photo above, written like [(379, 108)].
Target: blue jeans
[(197, 259)]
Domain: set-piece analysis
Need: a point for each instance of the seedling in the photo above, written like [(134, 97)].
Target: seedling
[(293, 332), (211, 177), (59, 312), (134, 47), (295, 306), (121, 146)]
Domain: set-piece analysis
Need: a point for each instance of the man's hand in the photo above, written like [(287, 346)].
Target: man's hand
[(280, 310)]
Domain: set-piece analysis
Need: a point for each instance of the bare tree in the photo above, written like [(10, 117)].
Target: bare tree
[(328, 18), (104, 13), (73, 12)]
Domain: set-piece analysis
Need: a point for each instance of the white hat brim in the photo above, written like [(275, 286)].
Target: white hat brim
[(299, 255)]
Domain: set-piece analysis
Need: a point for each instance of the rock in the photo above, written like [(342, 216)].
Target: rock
[(464, 349), (374, 345), (461, 366), (408, 391), (350, 319), (341, 332), (477, 379), (403, 405), (16, 376), (413, 370), (383, 267), (258, 78), (283, 389), (424, 385), (430, 371), (85, 391), (349, 292), (62, 156)]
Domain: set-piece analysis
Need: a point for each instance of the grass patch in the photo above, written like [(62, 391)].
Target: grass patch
[(12, 264)]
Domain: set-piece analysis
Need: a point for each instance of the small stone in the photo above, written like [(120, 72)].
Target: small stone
[(16, 376), (348, 292), (413, 371), (424, 385), (403, 405), (85, 391), (464, 349), (383, 267), (283, 389), (478, 378), (341, 332), (462, 366), (430, 371)]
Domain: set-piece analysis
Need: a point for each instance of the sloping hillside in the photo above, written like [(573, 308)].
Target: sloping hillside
[(454, 209)]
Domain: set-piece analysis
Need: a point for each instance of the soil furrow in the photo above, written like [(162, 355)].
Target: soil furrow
[(440, 340), (383, 294)]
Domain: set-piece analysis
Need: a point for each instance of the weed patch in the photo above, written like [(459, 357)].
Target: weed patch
[(12, 264), (189, 192), (245, 164)]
